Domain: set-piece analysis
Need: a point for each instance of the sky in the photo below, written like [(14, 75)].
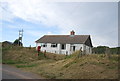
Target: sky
[(40, 17)]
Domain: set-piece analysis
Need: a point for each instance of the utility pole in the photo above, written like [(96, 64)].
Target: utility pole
[(20, 37)]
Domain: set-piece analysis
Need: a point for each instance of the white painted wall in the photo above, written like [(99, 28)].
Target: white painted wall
[(77, 47), (87, 49), (51, 49), (68, 49)]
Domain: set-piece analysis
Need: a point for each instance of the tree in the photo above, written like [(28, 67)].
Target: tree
[(100, 49), (105, 49), (17, 42)]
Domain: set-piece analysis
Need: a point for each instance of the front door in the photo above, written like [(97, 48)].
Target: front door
[(73, 48)]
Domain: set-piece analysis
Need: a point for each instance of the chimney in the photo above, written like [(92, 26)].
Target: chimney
[(72, 33)]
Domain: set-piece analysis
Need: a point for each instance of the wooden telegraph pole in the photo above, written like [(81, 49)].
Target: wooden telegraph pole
[(20, 37)]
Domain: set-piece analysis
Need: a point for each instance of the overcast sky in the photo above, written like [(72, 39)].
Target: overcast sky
[(38, 18)]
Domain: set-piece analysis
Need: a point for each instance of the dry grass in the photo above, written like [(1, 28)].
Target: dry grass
[(86, 67), (60, 67), (19, 54), (55, 56)]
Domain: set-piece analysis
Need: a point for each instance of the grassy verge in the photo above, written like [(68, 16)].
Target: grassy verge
[(12, 62), (24, 66)]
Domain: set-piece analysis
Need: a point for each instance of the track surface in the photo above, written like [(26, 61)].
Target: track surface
[(11, 72)]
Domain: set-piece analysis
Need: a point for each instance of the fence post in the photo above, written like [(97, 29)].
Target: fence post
[(80, 52), (45, 53)]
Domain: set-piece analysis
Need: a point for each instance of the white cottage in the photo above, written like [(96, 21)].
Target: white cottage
[(65, 44)]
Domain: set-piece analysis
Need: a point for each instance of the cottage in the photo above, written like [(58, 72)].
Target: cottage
[(65, 44)]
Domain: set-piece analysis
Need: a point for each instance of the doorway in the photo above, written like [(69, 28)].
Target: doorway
[(63, 46), (73, 48)]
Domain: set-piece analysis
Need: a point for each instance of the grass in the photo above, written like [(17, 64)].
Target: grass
[(86, 67), (24, 66), (12, 62), (48, 75), (114, 58), (70, 63), (19, 54), (55, 56), (8, 62), (56, 66), (69, 56)]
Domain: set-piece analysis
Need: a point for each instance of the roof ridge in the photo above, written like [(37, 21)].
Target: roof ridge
[(66, 35)]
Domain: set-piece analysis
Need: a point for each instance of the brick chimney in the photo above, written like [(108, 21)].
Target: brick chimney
[(72, 33)]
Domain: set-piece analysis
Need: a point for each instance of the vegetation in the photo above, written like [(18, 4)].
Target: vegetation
[(54, 66), (26, 65), (18, 55), (17, 42), (86, 67), (12, 62), (103, 49)]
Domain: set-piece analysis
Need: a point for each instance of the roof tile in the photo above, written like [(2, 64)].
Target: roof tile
[(63, 39)]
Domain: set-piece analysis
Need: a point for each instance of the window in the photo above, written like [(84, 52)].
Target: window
[(44, 45), (63, 46), (53, 45)]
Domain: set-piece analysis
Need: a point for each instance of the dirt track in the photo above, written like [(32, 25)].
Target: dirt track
[(10, 72)]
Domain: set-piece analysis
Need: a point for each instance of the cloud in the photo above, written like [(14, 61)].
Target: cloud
[(96, 19), (6, 14), (37, 34), (49, 33), (34, 33)]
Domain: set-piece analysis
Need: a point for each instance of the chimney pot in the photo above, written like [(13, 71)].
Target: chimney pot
[(72, 33)]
